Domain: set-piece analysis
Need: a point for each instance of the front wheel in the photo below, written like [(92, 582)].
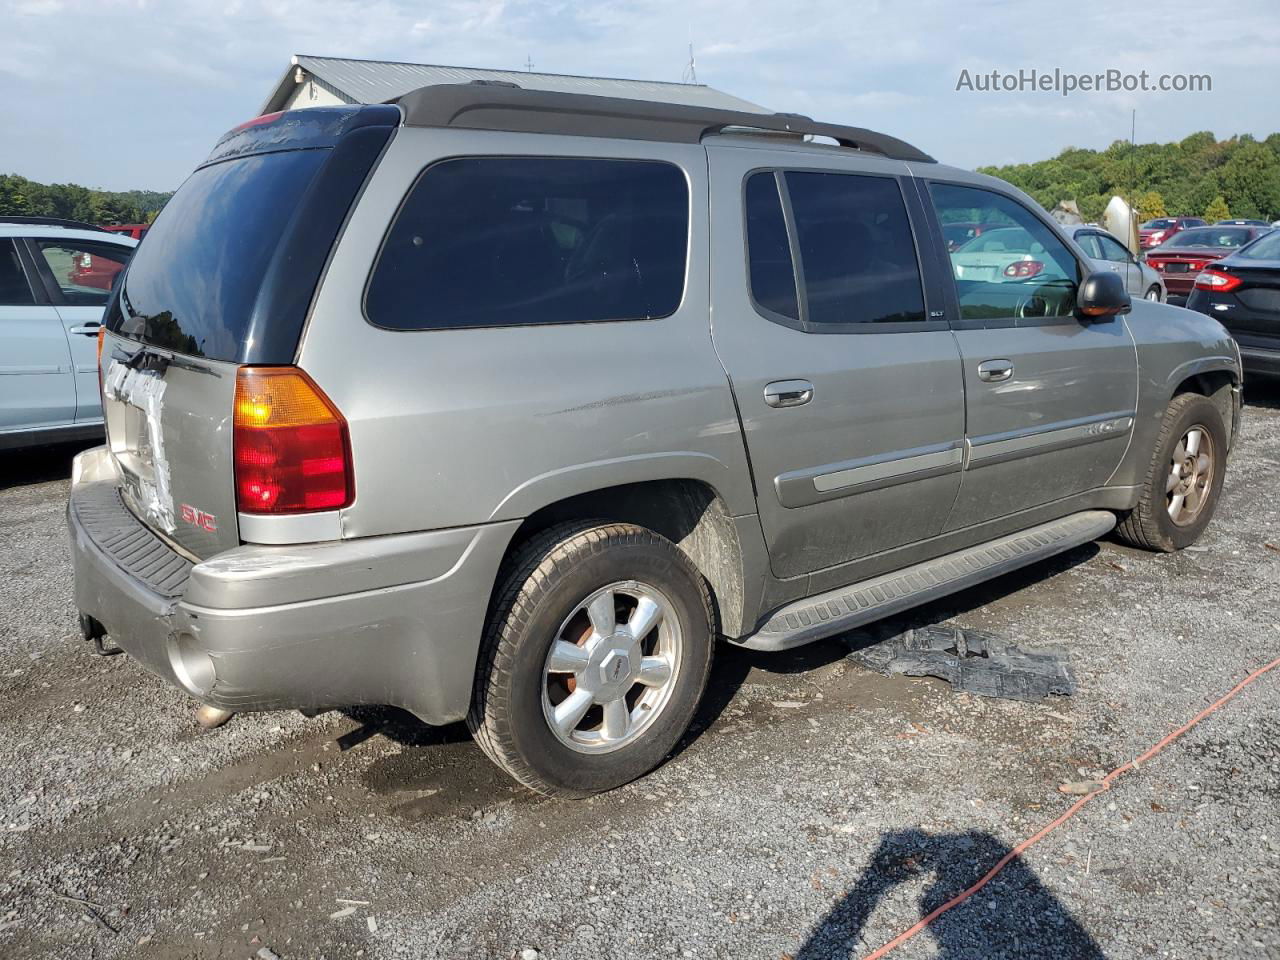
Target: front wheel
[(1184, 479), (1154, 294), (597, 652)]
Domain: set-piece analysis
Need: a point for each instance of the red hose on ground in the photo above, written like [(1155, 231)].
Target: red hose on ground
[(1070, 812)]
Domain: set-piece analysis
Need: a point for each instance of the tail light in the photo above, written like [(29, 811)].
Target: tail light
[(1021, 269), (1217, 280), (292, 448)]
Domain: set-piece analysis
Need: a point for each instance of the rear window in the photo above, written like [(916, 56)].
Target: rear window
[(1225, 237), (192, 286), (520, 241), (1266, 247)]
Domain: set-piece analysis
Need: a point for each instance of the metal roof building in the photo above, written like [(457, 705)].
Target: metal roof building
[(326, 81)]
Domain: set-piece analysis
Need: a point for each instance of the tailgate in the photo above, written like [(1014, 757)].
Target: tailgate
[(169, 429)]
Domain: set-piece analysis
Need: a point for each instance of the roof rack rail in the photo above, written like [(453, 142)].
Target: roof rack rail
[(486, 105), (51, 222)]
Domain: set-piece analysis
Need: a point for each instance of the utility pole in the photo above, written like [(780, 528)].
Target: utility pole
[(528, 64)]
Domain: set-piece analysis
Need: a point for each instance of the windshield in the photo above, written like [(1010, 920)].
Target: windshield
[(192, 286), (1266, 247), (1224, 237), (1157, 224)]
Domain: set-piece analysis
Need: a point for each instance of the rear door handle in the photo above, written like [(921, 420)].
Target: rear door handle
[(86, 330), (788, 393), (994, 371)]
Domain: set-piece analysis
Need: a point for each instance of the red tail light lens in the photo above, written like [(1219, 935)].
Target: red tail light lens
[(1218, 280), (292, 449), (1021, 269)]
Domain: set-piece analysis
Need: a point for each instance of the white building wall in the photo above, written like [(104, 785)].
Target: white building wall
[(310, 94)]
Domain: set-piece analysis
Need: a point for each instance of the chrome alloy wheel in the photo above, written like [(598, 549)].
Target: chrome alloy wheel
[(1190, 475), (612, 667)]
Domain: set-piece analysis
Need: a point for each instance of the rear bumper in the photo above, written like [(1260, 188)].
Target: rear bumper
[(383, 620)]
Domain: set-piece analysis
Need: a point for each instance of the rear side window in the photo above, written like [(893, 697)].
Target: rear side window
[(857, 256), (521, 241), (84, 271), (14, 289)]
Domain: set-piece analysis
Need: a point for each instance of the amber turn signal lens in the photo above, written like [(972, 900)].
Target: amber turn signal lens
[(292, 449)]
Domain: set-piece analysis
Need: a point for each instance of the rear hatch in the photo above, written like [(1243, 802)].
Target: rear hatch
[(225, 278)]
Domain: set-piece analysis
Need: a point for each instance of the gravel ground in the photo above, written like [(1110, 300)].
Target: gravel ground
[(816, 811)]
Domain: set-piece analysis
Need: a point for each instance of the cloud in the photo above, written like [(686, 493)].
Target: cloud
[(140, 90)]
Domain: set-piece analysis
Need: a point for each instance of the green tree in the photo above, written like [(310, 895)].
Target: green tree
[(1151, 204), (1217, 210)]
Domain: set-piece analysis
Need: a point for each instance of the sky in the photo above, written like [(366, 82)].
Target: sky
[(122, 94)]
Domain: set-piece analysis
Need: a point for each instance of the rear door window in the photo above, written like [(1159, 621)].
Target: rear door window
[(521, 241), (82, 270), (857, 255), (773, 276)]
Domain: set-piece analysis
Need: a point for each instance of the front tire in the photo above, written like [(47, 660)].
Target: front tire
[(1184, 480), (597, 651), (1154, 294)]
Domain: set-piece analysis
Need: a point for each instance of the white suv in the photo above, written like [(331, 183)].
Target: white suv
[(55, 276)]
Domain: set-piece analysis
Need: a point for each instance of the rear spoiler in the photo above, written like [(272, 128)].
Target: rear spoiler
[(311, 128)]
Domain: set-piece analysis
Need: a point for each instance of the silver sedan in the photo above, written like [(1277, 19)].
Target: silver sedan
[(1108, 253)]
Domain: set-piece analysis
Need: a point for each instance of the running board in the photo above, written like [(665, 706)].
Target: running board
[(839, 610)]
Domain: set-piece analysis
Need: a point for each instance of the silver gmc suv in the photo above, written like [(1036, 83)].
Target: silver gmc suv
[(508, 405)]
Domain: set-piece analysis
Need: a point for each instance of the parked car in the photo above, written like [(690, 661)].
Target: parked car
[(487, 418), (1158, 231), (999, 254), (1108, 253), (1180, 259), (135, 230), (1242, 292), (957, 234), (54, 279), (1243, 223)]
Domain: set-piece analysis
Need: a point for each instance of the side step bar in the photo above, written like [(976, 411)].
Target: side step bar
[(839, 610)]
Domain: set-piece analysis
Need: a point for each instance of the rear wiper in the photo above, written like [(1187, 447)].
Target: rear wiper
[(150, 358)]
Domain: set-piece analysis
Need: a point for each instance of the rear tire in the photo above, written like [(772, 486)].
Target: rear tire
[(597, 651), (1184, 479), (1154, 294)]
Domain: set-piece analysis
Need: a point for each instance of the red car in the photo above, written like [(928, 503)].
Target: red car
[(1155, 232), (1179, 260), (135, 230)]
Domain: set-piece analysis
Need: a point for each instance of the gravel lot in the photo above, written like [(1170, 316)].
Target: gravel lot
[(817, 810)]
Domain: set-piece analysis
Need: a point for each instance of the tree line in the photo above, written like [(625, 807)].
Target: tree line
[(1198, 176), (27, 198)]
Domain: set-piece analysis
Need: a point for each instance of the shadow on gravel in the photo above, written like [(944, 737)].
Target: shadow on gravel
[(19, 468), (1012, 916), (1262, 392)]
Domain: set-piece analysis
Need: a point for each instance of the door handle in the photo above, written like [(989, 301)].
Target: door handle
[(994, 371), (86, 329), (788, 393)]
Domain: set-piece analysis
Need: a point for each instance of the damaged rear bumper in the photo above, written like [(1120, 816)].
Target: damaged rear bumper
[(381, 620)]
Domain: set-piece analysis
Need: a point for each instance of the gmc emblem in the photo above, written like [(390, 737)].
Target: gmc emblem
[(198, 518)]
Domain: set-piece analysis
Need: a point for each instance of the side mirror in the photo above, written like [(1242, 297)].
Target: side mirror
[(1102, 295)]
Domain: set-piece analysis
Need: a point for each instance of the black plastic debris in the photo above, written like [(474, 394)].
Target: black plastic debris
[(974, 661)]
